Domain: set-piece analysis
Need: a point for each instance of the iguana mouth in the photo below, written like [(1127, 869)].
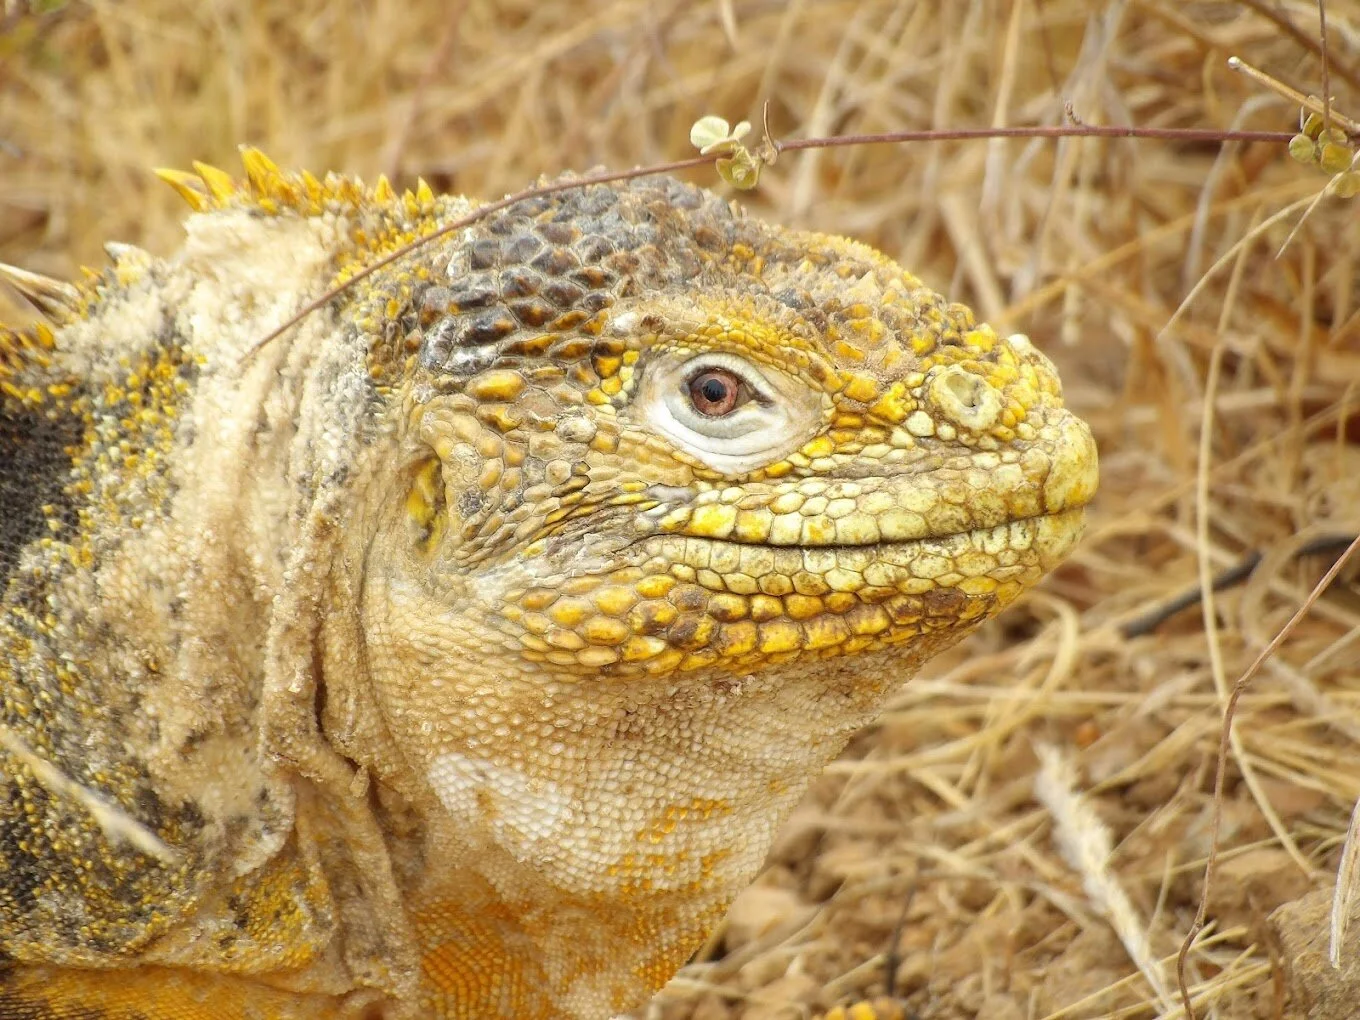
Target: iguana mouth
[(975, 560), (965, 494), (1073, 514)]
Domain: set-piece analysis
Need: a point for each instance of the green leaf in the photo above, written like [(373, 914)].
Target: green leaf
[(1346, 185), (712, 134), (1333, 158), (1303, 148)]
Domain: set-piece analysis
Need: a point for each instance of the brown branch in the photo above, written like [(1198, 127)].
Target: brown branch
[(1326, 65), (1146, 623), (1053, 131)]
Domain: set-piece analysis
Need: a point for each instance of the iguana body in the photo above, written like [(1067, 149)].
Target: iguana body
[(457, 653)]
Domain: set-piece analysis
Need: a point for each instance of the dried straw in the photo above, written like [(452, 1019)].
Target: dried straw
[(1091, 246)]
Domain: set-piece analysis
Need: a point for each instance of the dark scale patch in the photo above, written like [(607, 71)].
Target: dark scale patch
[(23, 869), (794, 297), (67, 883), (59, 865), (470, 504), (550, 263), (484, 253), (12, 1007), (516, 282), (77, 454), (563, 293), (35, 463)]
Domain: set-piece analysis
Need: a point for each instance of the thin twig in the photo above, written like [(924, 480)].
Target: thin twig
[(1293, 95), (113, 820), (833, 141), (1039, 131), (1326, 66)]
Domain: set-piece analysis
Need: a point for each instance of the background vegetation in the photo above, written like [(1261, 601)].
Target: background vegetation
[(1038, 806)]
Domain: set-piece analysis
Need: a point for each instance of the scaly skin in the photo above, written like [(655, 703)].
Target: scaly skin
[(458, 653)]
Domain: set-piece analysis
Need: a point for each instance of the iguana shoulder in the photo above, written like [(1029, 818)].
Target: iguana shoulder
[(153, 480)]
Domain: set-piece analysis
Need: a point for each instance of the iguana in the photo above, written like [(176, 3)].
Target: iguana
[(458, 652)]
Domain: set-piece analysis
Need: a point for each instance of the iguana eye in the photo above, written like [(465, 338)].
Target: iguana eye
[(725, 410), (721, 397), (716, 392)]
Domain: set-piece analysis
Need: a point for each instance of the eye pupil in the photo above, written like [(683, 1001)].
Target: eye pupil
[(715, 392)]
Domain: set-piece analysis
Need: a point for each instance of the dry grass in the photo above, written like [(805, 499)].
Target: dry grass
[(987, 797)]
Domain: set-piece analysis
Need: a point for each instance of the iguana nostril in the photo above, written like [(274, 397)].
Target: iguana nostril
[(965, 387), (965, 398)]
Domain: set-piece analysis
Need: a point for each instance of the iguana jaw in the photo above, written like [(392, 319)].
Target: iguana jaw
[(626, 804)]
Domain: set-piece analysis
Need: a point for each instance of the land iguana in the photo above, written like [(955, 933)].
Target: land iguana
[(458, 652)]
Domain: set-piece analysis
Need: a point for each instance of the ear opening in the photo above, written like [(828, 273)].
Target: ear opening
[(426, 503)]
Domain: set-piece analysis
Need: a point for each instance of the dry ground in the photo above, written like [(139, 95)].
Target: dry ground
[(981, 807)]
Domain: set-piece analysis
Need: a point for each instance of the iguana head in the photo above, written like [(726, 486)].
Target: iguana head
[(651, 445), (678, 499)]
